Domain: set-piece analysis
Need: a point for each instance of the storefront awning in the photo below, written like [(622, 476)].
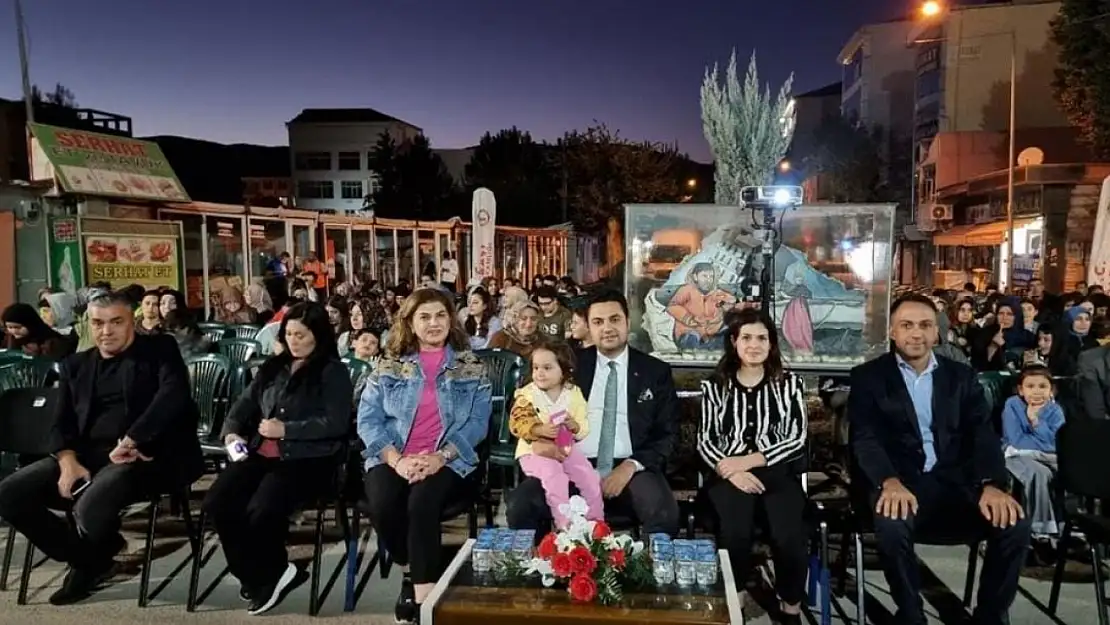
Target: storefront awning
[(91, 163), (981, 235)]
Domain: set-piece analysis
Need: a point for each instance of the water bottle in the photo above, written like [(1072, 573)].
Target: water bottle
[(685, 574), (662, 563), (502, 546), (523, 541), (481, 555), (705, 568)]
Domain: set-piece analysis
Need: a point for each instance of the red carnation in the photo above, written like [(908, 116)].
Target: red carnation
[(582, 561), (560, 565), (547, 548), (601, 530), (616, 559), (583, 589)]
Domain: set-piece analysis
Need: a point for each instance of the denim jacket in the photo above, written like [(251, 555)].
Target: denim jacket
[(387, 408)]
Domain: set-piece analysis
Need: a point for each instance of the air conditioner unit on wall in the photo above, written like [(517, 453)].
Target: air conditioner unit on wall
[(941, 212)]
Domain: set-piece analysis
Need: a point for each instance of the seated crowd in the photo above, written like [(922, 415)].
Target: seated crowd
[(928, 458)]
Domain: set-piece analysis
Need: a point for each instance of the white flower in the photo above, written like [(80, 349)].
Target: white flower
[(574, 509), (538, 566), (564, 541), (548, 581), (637, 546)]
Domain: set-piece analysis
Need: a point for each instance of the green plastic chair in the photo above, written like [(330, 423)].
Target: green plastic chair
[(997, 386), (210, 381), (26, 372), (242, 331), (243, 375), (356, 367), (214, 332), (505, 369), (239, 351)]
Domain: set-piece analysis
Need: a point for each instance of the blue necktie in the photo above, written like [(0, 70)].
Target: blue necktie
[(608, 436)]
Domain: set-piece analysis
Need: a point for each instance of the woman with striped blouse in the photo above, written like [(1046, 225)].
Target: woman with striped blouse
[(752, 437)]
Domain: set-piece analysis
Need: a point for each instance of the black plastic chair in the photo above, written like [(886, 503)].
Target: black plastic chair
[(335, 497), (26, 421), (1084, 471)]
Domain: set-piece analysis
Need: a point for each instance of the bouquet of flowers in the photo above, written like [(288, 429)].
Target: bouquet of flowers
[(594, 563)]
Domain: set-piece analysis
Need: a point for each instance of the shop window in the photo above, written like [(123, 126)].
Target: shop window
[(312, 161), (316, 189), (350, 161), (351, 190)]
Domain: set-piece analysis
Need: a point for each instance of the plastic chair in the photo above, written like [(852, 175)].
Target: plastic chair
[(26, 372), (242, 331), (239, 350), (356, 368), (210, 381), (505, 369), (214, 332)]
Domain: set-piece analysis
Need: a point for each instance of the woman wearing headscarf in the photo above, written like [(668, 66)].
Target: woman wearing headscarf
[(59, 311), (1010, 318), (962, 316), (521, 335), (25, 330), (258, 299), (1075, 335), (988, 349), (233, 308)]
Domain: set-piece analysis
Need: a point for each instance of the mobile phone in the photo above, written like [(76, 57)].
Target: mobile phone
[(79, 487)]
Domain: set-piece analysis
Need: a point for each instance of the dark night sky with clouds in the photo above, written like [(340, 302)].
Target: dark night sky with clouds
[(237, 70)]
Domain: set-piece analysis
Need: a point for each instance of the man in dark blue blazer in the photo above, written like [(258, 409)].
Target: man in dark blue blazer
[(923, 441)]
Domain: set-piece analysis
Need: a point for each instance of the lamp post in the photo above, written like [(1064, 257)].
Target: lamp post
[(21, 35), (933, 9)]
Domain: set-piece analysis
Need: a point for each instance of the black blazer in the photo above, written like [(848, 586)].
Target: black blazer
[(161, 415), (885, 438), (652, 416)]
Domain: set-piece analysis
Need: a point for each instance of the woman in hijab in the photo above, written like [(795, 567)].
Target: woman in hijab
[(258, 300), (59, 311), (1010, 317), (1076, 334), (233, 308), (25, 330), (988, 349), (521, 335)]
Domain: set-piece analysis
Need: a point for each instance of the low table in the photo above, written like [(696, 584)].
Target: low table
[(461, 598)]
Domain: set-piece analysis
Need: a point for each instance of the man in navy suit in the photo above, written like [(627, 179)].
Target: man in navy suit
[(923, 441), (634, 395)]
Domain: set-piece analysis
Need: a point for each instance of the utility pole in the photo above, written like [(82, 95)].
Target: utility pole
[(21, 35)]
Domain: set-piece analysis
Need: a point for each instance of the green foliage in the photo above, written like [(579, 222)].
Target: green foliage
[(604, 172), (1082, 84), (59, 96), (846, 157), (747, 132), (525, 176), (412, 181)]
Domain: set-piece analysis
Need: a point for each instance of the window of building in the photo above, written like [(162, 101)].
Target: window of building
[(316, 189), (351, 190), (928, 83), (350, 161), (312, 161)]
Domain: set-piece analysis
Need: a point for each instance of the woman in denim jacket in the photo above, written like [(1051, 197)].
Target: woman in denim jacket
[(422, 416)]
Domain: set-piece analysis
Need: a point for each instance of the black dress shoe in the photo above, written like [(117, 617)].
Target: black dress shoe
[(406, 610), (80, 584), (269, 598)]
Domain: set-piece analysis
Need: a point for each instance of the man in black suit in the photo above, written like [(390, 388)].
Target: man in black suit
[(923, 441), (126, 424), (633, 413)]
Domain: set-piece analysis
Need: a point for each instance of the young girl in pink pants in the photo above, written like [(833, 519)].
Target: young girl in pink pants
[(552, 408)]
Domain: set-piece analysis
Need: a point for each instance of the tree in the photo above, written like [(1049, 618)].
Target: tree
[(520, 172), (1082, 84), (846, 156), (59, 96), (747, 132), (604, 172), (412, 181)]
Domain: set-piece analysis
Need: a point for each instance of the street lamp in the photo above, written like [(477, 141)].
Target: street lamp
[(692, 182), (932, 9), (784, 166)]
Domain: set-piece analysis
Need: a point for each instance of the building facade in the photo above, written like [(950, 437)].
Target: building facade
[(330, 150)]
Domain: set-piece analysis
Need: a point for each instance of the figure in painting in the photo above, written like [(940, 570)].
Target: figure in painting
[(698, 308), (797, 324)]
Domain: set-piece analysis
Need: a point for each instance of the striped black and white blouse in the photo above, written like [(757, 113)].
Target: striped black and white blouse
[(769, 418)]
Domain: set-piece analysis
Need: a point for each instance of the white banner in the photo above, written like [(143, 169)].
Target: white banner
[(482, 230), (1098, 271)]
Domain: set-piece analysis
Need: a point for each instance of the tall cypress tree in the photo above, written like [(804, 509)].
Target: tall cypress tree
[(1082, 83), (747, 132)]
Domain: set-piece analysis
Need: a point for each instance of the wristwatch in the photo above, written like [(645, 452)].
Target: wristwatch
[(448, 453)]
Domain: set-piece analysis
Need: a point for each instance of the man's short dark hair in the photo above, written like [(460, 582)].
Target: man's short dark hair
[(606, 296), (547, 292), (912, 298), (969, 286)]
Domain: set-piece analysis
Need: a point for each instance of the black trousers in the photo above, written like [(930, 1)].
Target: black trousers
[(408, 516), (28, 497), (949, 512), (647, 498), (783, 505), (250, 504)]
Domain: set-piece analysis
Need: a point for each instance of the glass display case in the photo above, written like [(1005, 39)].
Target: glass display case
[(688, 264)]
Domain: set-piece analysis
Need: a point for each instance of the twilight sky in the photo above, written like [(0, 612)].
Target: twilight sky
[(237, 70)]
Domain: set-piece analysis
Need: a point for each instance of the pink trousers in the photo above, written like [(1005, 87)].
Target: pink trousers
[(556, 478)]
